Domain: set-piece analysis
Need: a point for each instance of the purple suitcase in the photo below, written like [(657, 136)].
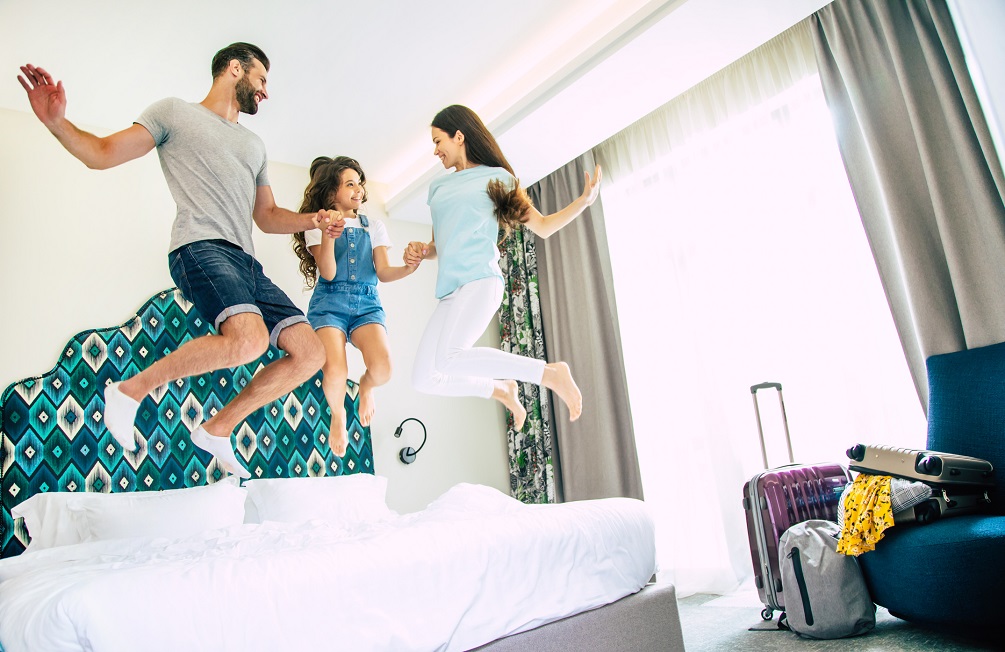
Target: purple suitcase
[(778, 498)]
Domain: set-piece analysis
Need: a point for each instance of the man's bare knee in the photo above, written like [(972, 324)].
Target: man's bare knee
[(304, 348), (250, 346), (247, 338)]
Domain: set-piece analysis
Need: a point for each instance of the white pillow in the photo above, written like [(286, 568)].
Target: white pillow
[(174, 513), (48, 521), (340, 500), (51, 522)]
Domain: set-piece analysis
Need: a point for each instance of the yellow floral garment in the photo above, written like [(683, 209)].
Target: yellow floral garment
[(867, 513)]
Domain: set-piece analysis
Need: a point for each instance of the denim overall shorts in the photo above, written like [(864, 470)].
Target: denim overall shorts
[(349, 300)]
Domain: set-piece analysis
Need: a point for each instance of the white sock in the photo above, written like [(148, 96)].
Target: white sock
[(220, 448), (120, 415)]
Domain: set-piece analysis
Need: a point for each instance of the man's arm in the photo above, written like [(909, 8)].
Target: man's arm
[(48, 101), (273, 219)]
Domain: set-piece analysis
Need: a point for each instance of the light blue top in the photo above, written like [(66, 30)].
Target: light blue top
[(464, 226)]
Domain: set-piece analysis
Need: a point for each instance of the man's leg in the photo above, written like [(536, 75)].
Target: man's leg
[(304, 357), (243, 338)]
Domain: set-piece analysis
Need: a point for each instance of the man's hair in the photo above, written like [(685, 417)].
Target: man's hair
[(243, 52)]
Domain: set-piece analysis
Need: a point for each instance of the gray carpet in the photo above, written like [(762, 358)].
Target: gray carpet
[(715, 623)]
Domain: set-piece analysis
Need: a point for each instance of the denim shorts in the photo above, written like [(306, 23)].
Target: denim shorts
[(222, 280), (345, 306)]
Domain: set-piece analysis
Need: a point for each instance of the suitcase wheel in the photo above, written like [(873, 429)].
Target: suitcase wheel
[(767, 613)]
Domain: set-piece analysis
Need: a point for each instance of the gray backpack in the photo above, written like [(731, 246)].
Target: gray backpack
[(825, 593)]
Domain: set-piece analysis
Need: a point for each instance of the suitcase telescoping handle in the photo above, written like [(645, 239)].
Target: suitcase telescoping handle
[(785, 420)]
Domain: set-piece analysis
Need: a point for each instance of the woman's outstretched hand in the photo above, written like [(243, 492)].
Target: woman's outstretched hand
[(592, 188)]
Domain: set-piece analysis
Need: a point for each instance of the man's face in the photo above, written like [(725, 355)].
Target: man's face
[(250, 88)]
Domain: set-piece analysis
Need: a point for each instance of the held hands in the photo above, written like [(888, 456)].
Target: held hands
[(330, 222), (592, 188), (48, 99), (414, 253)]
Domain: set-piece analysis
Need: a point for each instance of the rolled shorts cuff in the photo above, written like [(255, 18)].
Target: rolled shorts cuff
[(289, 321), (335, 326), (367, 322), (235, 310)]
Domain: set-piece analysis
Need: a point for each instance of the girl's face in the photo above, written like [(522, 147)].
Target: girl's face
[(449, 149), (349, 196)]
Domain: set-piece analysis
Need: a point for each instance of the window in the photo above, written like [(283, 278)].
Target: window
[(739, 257)]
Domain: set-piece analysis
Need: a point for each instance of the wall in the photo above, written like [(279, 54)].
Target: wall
[(980, 24), (82, 249)]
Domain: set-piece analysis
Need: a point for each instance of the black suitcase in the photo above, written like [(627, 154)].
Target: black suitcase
[(945, 503), (932, 467)]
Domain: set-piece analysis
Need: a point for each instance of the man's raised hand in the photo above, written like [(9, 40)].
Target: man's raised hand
[(47, 98)]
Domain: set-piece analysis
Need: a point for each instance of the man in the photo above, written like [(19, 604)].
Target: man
[(216, 171)]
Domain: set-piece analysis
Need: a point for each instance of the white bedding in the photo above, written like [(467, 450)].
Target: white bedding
[(473, 566)]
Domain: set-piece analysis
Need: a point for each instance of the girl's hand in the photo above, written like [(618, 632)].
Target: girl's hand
[(592, 188), (414, 253)]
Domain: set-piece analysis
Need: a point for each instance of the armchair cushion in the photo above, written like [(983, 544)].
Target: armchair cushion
[(949, 573)]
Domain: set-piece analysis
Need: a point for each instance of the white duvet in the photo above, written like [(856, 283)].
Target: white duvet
[(472, 567)]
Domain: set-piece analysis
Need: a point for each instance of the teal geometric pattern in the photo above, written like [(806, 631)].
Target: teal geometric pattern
[(52, 437)]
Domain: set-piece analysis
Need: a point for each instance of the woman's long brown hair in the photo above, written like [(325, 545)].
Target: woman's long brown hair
[(511, 204), (326, 178)]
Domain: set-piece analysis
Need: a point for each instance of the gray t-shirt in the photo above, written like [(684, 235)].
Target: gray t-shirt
[(213, 168)]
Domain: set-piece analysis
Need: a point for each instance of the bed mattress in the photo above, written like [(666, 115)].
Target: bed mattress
[(472, 567)]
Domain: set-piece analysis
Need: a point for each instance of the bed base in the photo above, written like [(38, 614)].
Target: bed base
[(647, 621)]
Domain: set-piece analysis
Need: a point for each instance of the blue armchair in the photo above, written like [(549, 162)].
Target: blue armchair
[(952, 572)]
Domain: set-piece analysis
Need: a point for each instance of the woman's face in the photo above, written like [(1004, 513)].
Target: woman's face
[(349, 196), (449, 149)]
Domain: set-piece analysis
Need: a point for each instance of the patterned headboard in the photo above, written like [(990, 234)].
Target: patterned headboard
[(52, 437)]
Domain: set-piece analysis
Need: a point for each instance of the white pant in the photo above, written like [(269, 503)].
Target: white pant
[(447, 363)]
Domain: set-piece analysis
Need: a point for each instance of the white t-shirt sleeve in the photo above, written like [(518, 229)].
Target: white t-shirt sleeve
[(312, 237), (378, 234)]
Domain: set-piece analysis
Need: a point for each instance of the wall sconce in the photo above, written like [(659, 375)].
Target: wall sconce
[(407, 454)]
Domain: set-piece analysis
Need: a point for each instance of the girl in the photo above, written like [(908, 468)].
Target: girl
[(469, 207), (345, 306)]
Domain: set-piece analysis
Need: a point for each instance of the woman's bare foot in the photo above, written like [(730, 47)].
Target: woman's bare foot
[(366, 406), (338, 438), (558, 378), (506, 393)]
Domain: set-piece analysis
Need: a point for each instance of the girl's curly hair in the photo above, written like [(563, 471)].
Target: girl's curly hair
[(326, 178)]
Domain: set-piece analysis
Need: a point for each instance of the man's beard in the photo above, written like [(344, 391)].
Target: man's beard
[(246, 97)]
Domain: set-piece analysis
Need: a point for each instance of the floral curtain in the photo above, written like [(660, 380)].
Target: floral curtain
[(532, 473)]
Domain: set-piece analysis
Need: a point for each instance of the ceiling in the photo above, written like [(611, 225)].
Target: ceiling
[(551, 78)]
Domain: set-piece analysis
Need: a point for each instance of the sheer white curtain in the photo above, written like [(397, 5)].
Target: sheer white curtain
[(738, 257)]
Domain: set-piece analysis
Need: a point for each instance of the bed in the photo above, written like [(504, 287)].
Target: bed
[(159, 549)]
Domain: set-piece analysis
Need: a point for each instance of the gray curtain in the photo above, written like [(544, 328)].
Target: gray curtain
[(922, 167), (597, 455)]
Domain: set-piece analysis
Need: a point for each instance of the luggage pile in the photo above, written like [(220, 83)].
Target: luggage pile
[(799, 544)]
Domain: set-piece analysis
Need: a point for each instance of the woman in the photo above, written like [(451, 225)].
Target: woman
[(469, 208)]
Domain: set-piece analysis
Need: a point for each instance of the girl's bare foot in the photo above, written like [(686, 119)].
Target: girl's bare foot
[(558, 378), (338, 438), (366, 406), (506, 393)]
